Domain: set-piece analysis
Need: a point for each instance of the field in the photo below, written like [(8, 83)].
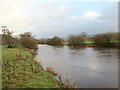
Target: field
[(19, 70)]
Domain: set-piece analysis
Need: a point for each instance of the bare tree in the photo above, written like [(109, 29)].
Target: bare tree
[(7, 37)]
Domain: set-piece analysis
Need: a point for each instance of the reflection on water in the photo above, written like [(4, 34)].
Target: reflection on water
[(86, 67)]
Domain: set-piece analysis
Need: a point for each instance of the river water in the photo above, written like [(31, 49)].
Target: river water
[(85, 67)]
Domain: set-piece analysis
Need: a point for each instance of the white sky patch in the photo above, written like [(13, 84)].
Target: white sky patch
[(80, 0), (91, 15), (75, 18), (45, 7), (49, 19)]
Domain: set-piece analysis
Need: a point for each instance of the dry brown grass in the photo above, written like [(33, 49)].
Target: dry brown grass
[(69, 84), (49, 69), (38, 61)]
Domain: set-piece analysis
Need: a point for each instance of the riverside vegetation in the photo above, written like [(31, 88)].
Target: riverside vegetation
[(20, 70), (107, 40)]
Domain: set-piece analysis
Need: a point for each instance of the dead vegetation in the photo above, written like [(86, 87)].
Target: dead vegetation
[(49, 69), (37, 61), (69, 84)]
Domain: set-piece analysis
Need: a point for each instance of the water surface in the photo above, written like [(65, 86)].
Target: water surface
[(86, 67)]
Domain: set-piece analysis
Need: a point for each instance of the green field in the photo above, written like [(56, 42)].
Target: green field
[(19, 70), (86, 42), (92, 42)]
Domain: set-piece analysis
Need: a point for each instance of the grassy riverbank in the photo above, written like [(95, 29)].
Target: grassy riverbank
[(19, 70)]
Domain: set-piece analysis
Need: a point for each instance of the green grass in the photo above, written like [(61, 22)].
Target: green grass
[(19, 70), (65, 43), (92, 42), (88, 42)]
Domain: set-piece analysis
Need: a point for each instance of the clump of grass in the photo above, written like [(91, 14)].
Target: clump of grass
[(50, 69), (21, 57), (69, 84)]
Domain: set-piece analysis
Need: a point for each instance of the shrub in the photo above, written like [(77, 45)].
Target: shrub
[(28, 42), (55, 41), (76, 40), (42, 41), (106, 39), (8, 39)]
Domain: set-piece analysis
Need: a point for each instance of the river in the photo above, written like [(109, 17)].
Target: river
[(86, 67)]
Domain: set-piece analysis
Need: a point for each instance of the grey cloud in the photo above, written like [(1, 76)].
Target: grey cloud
[(50, 21)]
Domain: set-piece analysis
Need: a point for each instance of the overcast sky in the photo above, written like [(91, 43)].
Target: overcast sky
[(48, 19)]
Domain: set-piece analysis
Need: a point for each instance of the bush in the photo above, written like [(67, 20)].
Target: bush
[(106, 39), (55, 41), (42, 41), (76, 40), (10, 41), (29, 42)]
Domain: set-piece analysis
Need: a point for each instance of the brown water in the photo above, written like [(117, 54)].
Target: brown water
[(86, 67)]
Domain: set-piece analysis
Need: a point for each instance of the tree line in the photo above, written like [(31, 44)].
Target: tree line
[(109, 39), (26, 39)]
